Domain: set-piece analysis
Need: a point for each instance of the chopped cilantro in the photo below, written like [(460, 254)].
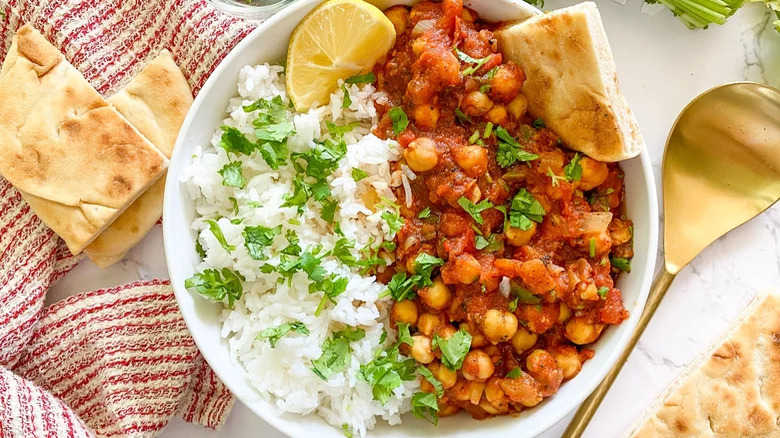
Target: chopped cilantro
[(359, 174), (274, 334), (573, 170), (475, 210), (367, 78), (345, 429), (523, 295), (428, 375), (425, 262), (234, 202), (341, 250), (621, 263), (555, 178), (488, 130), (254, 204), (513, 304), (509, 150), (399, 119), (258, 238), (426, 213), (217, 285), (610, 191), (514, 373), (199, 249), (485, 88), (292, 248), (603, 291), (301, 193), (404, 335), (387, 372), (234, 141), (347, 100), (394, 221), (425, 406), (335, 353), (476, 64), (474, 138), (592, 247), (525, 208), (454, 349), (232, 175), (217, 232), (462, 117), (538, 124)]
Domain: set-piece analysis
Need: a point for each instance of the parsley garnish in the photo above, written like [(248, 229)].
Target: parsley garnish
[(232, 175), (428, 375), (217, 285), (425, 406), (509, 150), (425, 213), (476, 64), (367, 78), (475, 210), (274, 334), (217, 232), (335, 352), (525, 208), (257, 238), (573, 170), (400, 121), (358, 174), (514, 373), (621, 263), (454, 349)]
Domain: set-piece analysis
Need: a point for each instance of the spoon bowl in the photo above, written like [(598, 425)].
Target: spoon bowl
[(721, 168)]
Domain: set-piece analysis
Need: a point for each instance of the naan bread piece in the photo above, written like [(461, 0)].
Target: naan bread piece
[(731, 392), (155, 102), (75, 159), (571, 81)]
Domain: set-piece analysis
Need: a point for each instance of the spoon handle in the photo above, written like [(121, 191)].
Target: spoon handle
[(588, 408)]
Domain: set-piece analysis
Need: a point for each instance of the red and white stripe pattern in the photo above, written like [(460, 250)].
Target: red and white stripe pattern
[(114, 362)]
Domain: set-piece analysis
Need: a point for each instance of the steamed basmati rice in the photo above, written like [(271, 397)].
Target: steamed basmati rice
[(283, 374)]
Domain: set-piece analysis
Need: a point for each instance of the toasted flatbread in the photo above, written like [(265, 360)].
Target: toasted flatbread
[(74, 158), (731, 391), (155, 102), (571, 81)]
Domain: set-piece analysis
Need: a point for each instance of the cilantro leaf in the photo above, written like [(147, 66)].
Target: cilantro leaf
[(217, 285), (274, 334), (400, 288), (538, 124), (232, 175), (331, 287), (573, 170), (367, 78), (234, 141), (425, 214), (462, 117), (350, 334), (404, 335), (475, 210), (341, 250), (513, 304), (428, 375), (217, 232), (292, 248), (387, 372), (509, 150), (425, 262), (234, 201), (301, 193), (259, 237), (274, 153), (334, 358), (276, 132), (525, 208), (199, 248), (358, 174), (400, 121), (347, 100), (425, 406), (394, 221), (603, 291), (328, 210), (514, 373), (454, 349), (523, 295), (621, 263), (476, 64)]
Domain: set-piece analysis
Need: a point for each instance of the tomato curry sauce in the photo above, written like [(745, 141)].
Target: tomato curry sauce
[(527, 236)]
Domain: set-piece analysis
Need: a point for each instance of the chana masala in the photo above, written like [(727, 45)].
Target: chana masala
[(511, 243)]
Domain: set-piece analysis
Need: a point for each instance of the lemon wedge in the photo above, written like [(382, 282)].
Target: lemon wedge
[(338, 39)]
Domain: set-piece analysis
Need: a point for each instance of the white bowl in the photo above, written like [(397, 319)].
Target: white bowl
[(268, 43)]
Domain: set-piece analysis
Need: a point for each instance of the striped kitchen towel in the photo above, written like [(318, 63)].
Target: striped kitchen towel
[(113, 362)]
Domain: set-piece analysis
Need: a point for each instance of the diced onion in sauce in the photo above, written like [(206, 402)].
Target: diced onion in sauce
[(408, 172), (504, 288), (595, 222), (407, 190), (422, 26)]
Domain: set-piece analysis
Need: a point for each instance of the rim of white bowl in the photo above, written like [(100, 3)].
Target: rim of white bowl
[(172, 186)]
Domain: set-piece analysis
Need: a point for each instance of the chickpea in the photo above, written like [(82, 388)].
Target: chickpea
[(568, 360), (594, 173), (426, 117), (427, 323), (523, 340), (564, 313), (497, 115), (437, 296), (518, 106), (477, 366), (445, 376), (474, 194), (419, 45), (476, 103), (581, 332), (477, 338), (446, 331), (494, 394), (446, 410), (499, 326), (521, 390), (506, 83), (398, 15), (518, 237), (490, 409), (472, 159), (543, 368), (404, 311), (421, 154), (460, 391), (467, 268), (421, 349), (468, 15)]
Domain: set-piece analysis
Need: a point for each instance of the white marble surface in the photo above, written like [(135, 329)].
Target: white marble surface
[(662, 66)]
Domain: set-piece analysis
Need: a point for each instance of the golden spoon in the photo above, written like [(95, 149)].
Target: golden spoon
[(721, 169)]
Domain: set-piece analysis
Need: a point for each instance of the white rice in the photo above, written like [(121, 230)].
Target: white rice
[(283, 374)]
